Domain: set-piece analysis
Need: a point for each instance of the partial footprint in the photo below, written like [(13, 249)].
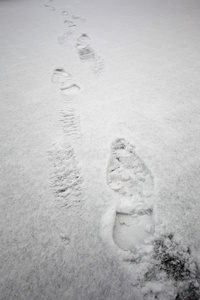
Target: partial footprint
[(75, 17), (127, 173), (65, 13), (65, 178), (64, 81), (130, 231), (85, 52), (84, 40), (50, 7), (70, 123), (69, 23), (98, 65), (71, 89), (64, 37), (60, 77)]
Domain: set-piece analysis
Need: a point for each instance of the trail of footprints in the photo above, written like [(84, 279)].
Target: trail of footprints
[(83, 44), (168, 270)]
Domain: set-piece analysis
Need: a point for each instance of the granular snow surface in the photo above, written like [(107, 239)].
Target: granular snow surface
[(99, 150)]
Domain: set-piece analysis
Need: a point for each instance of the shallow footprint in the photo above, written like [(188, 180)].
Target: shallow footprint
[(84, 39), (127, 173), (83, 47), (69, 23), (60, 77), (50, 7), (64, 37), (85, 52), (64, 81)]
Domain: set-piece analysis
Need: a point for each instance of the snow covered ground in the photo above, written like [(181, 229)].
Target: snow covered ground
[(100, 167)]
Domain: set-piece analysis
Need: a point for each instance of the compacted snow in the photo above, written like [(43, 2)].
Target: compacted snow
[(100, 167)]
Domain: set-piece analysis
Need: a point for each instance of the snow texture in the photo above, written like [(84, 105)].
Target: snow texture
[(99, 149)]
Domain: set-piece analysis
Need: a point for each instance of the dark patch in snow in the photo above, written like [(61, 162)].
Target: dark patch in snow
[(178, 265), (172, 260), (189, 292)]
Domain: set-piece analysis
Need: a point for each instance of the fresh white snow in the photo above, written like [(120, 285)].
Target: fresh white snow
[(100, 168)]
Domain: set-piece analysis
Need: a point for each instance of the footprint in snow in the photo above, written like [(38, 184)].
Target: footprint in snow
[(64, 37), (127, 173), (75, 17), (66, 180), (83, 47), (65, 81), (65, 13), (66, 19), (69, 23), (128, 176), (166, 269), (86, 53), (50, 7)]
